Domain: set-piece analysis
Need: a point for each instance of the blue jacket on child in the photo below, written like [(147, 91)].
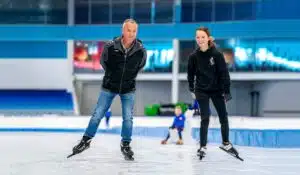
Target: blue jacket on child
[(196, 105), (178, 121)]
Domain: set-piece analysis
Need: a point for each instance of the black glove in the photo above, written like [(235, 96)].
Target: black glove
[(227, 97), (192, 90)]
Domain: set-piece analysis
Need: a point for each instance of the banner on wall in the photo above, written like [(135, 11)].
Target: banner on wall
[(261, 55), (252, 55), (87, 56)]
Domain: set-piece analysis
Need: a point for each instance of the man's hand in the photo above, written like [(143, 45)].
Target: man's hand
[(227, 97), (193, 95)]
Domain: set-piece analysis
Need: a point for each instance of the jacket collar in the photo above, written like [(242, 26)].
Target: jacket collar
[(136, 45)]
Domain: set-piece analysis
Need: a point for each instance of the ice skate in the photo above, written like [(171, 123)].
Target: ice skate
[(201, 152), (179, 142), (230, 150), (83, 145), (127, 151)]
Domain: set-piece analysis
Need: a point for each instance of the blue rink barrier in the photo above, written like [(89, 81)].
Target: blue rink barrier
[(267, 138)]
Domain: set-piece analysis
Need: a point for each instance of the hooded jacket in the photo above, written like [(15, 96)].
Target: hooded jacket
[(210, 70)]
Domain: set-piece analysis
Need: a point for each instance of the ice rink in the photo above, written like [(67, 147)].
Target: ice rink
[(45, 153)]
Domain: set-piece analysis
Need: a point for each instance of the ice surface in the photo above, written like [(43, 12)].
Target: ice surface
[(45, 154)]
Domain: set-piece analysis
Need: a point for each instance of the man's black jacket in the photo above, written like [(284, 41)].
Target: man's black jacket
[(121, 68)]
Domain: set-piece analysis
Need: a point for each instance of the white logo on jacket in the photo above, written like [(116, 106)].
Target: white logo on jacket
[(212, 61)]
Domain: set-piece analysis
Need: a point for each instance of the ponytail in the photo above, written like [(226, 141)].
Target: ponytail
[(211, 42)]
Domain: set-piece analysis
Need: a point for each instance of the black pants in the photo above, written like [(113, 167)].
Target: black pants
[(179, 130), (220, 105)]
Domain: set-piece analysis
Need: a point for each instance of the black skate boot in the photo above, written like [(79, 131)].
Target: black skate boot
[(201, 152), (83, 145), (126, 151), (228, 147)]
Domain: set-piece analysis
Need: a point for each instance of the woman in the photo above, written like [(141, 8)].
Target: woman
[(208, 65)]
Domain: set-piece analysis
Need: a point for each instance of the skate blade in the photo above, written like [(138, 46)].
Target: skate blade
[(234, 155), (74, 153), (71, 155)]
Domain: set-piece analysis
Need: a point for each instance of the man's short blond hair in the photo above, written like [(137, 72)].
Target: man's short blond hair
[(132, 21)]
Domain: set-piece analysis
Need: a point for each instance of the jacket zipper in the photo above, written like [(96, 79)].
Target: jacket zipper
[(125, 57)]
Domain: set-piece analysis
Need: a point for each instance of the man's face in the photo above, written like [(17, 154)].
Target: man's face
[(129, 32)]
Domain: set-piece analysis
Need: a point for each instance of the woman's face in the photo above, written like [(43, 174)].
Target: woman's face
[(202, 38)]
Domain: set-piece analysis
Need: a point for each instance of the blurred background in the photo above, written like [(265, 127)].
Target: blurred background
[(51, 49)]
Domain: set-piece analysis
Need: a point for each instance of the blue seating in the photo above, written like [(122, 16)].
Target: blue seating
[(35, 102)]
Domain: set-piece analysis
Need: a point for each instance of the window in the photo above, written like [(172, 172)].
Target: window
[(244, 10), (203, 10), (81, 11), (163, 11), (142, 11), (100, 12), (33, 12), (223, 10), (120, 11), (187, 11)]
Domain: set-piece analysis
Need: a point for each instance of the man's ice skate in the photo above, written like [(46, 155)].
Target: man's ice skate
[(201, 152), (83, 145), (126, 151), (231, 150), (179, 142)]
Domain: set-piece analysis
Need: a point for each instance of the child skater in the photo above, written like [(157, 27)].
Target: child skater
[(178, 124)]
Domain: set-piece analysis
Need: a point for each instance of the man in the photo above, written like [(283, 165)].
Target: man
[(121, 59)]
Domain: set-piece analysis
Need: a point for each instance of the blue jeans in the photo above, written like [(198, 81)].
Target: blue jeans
[(104, 102)]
